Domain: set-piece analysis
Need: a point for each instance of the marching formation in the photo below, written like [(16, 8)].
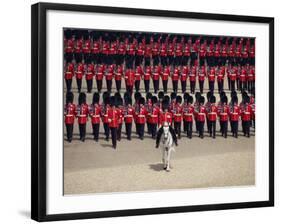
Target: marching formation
[(153, 111)]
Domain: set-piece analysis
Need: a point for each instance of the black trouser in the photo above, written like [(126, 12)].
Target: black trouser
[(246, 128), (119, 130), (208, 124), (69, 131), (128, 130), (183, 86), (177, 126), (106, 130), (201, 86), (224, 128), (87, 57), (137, 85), (211, 86), (228, 82), (82, 131), (234, 128), (148, 128), (153, 128), (79, 83), (139, 59), (68, 84), (146, 61), (96, 131), (220, 86), (201, 128), (156, 85), (118, 85), (129, 89), (114, 136), (212, 128), (188, 130), (99, 85), (78, 57), (175, 86), (192, 86), (232, 85), (89, 85), (155, 59), (163, 60), (165, 85), (109, 85), (140, 130), (146, 85)]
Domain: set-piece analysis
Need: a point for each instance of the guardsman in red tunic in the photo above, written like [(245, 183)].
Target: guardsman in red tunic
[(251, 78), (212, 116), (200, 116), (108, 77), (188, 111), (96, 51), (177, 116), (171, 52), (121, 52), (201, 78), (165, 77), (104, 113), (183, 78), (69, 115), (89, 76), (95, 115), (113, 118), (79, 75), (68, 74), (78, 45), (234, 113), (246, 114), (130, 80), (163, 53), (140, 115), (156, 77), (68, 45), (220, 78), (242, 79), (82, 112), (153, 116), (178, 54), (148, 107), (186, 53), (140, 53), (232, 77), (99, 77), (253, 106), (155, 53), (146, 78), (113, 52), (105, 52), (138, 75), (223, 115), (118, 75), (87, 48), (175, 79), (128, 114), (211, 78), (192, 79), (120, 106)]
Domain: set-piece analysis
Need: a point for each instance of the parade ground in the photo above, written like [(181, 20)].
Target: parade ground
[(136, 165)]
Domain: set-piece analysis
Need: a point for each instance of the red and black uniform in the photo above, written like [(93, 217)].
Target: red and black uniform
[(243, 79), (128, 114), (118, 77), (163, 54), (186, 53), (246, 115), (155, 53), (223, 115), (187, 111), (78, 45), (220, 78), (177, 117), (89, 76), (211, 78), (171, 53), (130, 80), (234, 113), (138, 75), (201, 78), (146, 79), (121, 52), (251, 79), (140, 53), (113, 118), (165, 77), (156, 77), (140, 119), (79, 75), (69, 117), (165, 116), (175, 79), (68, 74), (147, 54), (253, 106), (153, 119), (95, 51), (95, 114), (109, 77), (105, 52), (192, 79), (120, 122), (68, 50), (105, 120), (212, 119), (183, 78), (178, 54), (200, 119), (82, 112), (232, 77), (87, 50), (99, 77)]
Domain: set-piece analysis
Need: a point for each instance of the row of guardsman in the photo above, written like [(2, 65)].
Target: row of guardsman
[(238, 77), (135, 48), (155, 111)]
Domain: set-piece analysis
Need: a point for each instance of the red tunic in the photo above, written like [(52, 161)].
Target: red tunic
[(128, 114), (200, 114), (146, 75), (177, 113), (96, 47), (163, 50), (105, 114), (95, 113), (69, 71), (212, 113), (153, 116), (69, 45), (165, 74), (69, 113), (246, 113), (87, 46), (234, 113), (113, 117), (99, 75), (138, 73), (140, 115), (175, 75), (130, 77), (187, 110), (90, 72), (78, 46), (223, 112), (201, 75), (82, 113), (80, 71), (165, 117)]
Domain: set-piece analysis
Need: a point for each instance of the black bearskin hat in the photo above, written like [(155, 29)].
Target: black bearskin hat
[(247, 99), (96, 97), (234, 99), (117, 95), (128, 101), (137, 96), (113, 101), (67, 34), (233, 93), (166, 98), (179, 99), (197, 96), (224, 99), (105, 95), (82, 98), (185, 96), (209, 94), (160, 95), (119, 102), (222, 94), (165, 104), (148, 96), (127, 95), (202, 100), (190, 99), (69, 97), (142, 101), (212, 99), (154, 99), (173, 95)]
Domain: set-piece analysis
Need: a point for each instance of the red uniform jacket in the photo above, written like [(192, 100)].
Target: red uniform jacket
[(201, 75), (105, 47), (223, 112), (90, 72), (166, 73), (175, 75), (201, 113), (87, 46), (177, 113), (140, 115), (212, 112), (105, 114), (82, 113), (96, 47), (234, 112), (80, 71), (118, 75), (186, 50), (212, 75), (78, 46), (147, 74), (165, 117), (69, 71), (163, 50), (128, 114), (141, 49), (179, 50), (138, 73), (113, 117), (121, 49), (246, 113), (69, 113), (69, 44), (184, 73), (99, 75), (120, 119), (187, 111), (130, 77), (153, 115), (95, 113)]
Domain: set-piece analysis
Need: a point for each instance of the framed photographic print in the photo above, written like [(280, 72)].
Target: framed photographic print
[(140, 111)]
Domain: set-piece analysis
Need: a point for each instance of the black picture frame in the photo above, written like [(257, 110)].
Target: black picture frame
[(38, 110)]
